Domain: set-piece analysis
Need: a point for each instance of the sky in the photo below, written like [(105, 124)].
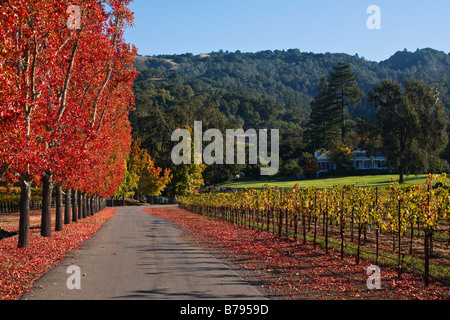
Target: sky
[(319, 26)]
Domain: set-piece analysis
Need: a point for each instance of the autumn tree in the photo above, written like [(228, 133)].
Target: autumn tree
[(340, 155), (142, 176), (69, 94)]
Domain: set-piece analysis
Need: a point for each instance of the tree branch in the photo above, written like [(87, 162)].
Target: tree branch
[(65, 87)]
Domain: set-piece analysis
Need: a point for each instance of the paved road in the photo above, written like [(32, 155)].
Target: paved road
[(139, 256)]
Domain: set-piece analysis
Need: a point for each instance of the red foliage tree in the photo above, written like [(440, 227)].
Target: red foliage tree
[(68, 93)]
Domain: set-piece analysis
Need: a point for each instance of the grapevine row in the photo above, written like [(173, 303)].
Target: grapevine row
[(399, 211)]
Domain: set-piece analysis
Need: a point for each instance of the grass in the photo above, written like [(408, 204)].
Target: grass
[(372, 181)]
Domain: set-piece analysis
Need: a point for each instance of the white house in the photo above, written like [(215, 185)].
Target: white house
[(360, 162)]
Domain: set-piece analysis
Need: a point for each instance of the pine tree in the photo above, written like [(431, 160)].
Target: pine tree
[(322, 128), (343, 92)]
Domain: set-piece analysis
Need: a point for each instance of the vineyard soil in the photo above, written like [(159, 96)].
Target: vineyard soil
[(285, 269)]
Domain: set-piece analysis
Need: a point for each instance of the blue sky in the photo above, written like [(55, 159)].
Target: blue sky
[(203, 26)]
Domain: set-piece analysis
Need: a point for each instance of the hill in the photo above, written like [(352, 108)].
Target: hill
[(291, 77), (267, 89)]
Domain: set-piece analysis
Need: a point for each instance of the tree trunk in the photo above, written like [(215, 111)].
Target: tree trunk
[(402, 173), (88, 205), (91, 205), (67, 212), (80, 205), (24, 207), (59, 213), (75, 206), (84, 206), (96, 209), (46, 220)]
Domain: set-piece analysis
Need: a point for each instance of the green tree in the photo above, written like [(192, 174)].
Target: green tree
[(186, 177), (322, 128), (369, 136), (412, 123), (129, 184), (343, 92), (291, 169)]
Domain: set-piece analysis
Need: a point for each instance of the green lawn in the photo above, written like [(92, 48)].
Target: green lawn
[(374, 181)]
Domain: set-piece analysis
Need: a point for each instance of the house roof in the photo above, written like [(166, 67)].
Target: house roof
[(323, 156), (358, 153)]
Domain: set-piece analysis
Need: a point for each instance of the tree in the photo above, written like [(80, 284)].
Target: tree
[(309, 164), (186, 178), (153, 180), (323, 127), (370, 139), (340, 155), (129, 184), (69, 94), (412, 123), (343, 92), (291, 168), (141, 174)]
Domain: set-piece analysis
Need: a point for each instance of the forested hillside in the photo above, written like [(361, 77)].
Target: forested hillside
[(267, 89), (291, 77)]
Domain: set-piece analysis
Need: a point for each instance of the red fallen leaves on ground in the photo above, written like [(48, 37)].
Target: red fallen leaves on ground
[(10, 222), (288, 270), (19, 268)]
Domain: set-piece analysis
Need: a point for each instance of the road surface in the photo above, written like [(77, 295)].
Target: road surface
[(139, 256)]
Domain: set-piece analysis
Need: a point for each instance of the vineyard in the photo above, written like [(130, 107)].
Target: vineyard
[(403, 226)]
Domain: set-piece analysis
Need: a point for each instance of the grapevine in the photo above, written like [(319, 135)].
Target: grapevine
[(395, 211)]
